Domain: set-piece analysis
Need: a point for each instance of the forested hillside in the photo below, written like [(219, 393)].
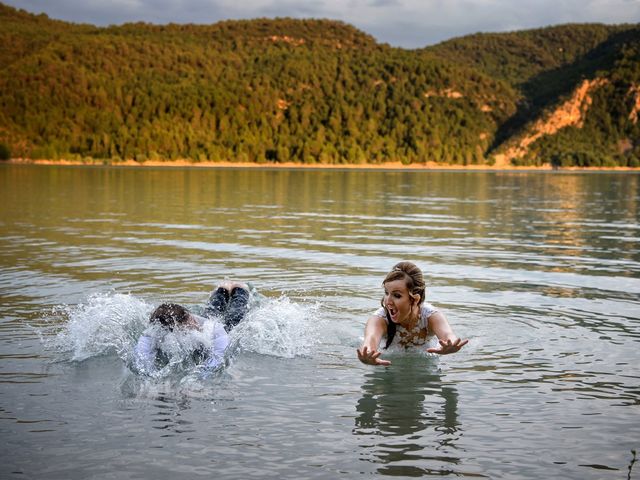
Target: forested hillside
[(316, 91), (579, 87)]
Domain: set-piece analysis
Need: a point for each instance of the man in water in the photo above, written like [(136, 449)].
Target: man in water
[(207, 342)]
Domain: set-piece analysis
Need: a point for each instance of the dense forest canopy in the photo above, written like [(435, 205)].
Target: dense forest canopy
[(316, 91)]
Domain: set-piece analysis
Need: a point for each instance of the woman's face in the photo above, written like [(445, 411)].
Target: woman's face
[(398, 301)]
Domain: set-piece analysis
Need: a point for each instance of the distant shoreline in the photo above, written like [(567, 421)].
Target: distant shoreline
[(428, 166)]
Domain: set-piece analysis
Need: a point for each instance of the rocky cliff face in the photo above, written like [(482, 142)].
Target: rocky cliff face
[(634, 94), (570, 113)]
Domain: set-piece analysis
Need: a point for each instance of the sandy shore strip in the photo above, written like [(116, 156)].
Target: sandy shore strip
[(292, 165)]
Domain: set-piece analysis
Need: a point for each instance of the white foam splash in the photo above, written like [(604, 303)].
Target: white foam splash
[(279, 327), (107, 324), (110, 324)]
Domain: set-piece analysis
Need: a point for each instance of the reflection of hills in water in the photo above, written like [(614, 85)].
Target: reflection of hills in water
[(500, 222), (110, 325), (406, 411)]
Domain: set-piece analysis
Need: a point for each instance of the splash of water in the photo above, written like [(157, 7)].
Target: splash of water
[(279, 327), (111, 324), (107, 324)]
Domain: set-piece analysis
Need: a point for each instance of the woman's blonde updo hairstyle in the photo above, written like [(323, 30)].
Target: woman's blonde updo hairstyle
[(412, 275)]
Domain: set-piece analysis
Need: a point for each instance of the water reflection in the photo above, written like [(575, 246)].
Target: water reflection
[(406, 413), (168, 414)]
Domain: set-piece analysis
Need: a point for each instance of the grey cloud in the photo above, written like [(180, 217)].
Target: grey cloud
[(294, 9), (407, 23), (385, 3)]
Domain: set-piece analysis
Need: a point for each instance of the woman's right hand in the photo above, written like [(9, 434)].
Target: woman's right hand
[(371, 357)]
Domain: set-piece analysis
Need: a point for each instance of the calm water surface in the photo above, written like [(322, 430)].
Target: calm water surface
[(541, 271)]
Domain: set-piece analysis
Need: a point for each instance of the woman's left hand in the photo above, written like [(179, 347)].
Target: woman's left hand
[(448, 346)]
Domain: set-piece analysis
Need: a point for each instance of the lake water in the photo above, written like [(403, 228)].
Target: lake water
[(541, 271)]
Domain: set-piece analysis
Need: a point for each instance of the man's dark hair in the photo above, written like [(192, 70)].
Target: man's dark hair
[(169, 315)]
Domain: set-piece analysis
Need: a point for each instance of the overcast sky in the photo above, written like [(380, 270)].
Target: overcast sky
[(402, 23)]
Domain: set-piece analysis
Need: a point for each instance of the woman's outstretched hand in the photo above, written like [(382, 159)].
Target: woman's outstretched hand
[(370, 357), (448, 346)]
